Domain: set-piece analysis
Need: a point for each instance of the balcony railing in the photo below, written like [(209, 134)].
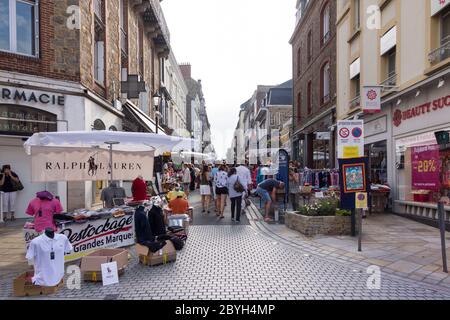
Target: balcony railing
[(98, 9), (356, 102), (441, 53), (391, 81)]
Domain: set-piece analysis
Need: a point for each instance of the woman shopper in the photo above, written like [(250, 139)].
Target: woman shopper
[(235, 190), (221, 181), (205, 189), (186, 179), (294, 186), (9, 184)]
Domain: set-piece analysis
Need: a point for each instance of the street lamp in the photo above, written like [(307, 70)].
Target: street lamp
[(156, 104), (443, 139)]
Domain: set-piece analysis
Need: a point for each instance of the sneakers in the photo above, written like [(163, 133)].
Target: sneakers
[(233, 219)]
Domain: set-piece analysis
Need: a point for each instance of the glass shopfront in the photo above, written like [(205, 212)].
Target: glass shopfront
[(418, 165), (321, 153), (25, 121), (377, 153)]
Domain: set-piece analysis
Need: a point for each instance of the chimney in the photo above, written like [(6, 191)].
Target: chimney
[(186, 70)]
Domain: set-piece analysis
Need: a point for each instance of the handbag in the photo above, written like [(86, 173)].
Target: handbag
[(18, 186), (238, 186)]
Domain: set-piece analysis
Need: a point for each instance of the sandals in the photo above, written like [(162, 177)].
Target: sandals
[(268, 220)]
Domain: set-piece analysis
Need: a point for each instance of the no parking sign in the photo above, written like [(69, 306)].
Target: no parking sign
[(350, 139)]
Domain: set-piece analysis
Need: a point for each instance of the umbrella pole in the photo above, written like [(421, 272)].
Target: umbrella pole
[(111, 143)]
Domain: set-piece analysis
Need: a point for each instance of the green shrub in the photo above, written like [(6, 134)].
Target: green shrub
[(343, 213)]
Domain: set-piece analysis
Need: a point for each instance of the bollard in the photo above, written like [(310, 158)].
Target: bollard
[(441, 213), (1, 207)]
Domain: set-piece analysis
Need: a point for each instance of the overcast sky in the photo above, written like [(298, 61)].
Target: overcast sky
[(233, 46)]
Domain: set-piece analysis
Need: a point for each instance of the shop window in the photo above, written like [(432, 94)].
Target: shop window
[(325, 83), (35, 120), (321, 154), (325, 23), (377, 153), (418, 163), (19, 25)]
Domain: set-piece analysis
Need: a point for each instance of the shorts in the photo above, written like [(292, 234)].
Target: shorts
[(264, 194), (205, 190), (9, 202), (220, 191)]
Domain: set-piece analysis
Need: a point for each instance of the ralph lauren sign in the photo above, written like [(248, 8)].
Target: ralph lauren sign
[(26, 96), (53, 164)]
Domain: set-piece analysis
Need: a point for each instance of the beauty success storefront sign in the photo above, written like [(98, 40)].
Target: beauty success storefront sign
[(54, 164), (104, 233)]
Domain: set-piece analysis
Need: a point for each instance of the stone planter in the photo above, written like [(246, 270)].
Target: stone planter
[(311, 226)]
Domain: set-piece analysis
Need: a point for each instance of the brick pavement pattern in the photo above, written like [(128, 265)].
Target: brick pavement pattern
[(236, 262), (228, 262)]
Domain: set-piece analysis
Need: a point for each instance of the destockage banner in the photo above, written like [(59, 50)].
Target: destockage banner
[(63, 164), (93, 235), (426, 166)]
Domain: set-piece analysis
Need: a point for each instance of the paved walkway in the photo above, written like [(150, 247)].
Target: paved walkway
[(226, 261), (397, 245)]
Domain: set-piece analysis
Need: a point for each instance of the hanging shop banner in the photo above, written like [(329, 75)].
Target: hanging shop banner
[(108, 233), (354, 175), (371, 99), (350, 139), (426, 166), (64, 164)]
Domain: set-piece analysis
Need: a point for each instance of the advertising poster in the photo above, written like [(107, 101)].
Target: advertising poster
[(426, 166), (93, 235), (355, 179)]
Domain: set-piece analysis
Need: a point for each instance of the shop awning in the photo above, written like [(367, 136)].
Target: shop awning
[(144, 120), (127, 141)]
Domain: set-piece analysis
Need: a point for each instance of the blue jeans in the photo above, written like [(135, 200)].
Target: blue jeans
[(264, 194)]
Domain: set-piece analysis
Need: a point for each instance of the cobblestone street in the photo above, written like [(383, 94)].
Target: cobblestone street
[(244, 262)]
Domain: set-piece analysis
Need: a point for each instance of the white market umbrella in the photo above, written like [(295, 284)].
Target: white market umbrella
[(127, 141)]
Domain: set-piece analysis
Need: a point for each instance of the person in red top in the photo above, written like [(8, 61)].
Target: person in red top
[(179, 205), (139, 189)]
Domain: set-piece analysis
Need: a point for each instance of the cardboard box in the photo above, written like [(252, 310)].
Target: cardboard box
[(163, 256), (22, 288), (91, 265)]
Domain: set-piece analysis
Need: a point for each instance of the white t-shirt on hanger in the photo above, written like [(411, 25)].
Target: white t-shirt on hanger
[(48, 267)]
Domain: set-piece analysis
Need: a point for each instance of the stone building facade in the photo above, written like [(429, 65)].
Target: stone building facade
[(65, 69), (314, 75)]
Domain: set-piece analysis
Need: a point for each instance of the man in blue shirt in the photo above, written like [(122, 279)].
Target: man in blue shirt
[(267, 190)]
